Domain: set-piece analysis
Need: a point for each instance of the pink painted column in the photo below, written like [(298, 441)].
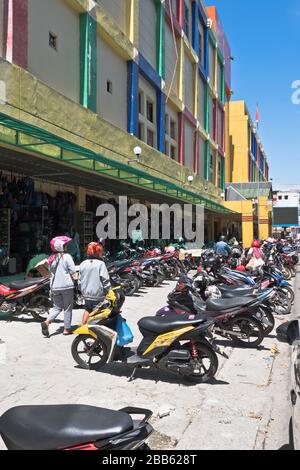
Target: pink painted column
[(15, 32)]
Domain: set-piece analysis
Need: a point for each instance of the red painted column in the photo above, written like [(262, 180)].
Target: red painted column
[(180, 12), (15, 32)]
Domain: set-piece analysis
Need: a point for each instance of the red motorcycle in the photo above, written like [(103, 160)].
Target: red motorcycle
[(29, 297)]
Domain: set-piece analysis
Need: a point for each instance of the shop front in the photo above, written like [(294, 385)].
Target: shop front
[(49, 184)]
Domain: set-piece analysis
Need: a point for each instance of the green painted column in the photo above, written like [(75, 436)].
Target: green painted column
[(160, 35), (88, 62)]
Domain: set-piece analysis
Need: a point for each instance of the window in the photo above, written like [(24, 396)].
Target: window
[(200, 39), (167, 121), (150, 137), (219, 174), (171, 135), (286, 198), (109, 87), (141, 102), (147, 116), (53, 41), (173, 129), (173, 152), (212, 169), (186, 20), (150, 111), (141, 131)]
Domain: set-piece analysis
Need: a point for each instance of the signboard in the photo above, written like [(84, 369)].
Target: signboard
[(286, 217)]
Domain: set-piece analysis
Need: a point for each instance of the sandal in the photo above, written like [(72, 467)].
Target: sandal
[(45, 330), (67, 333)]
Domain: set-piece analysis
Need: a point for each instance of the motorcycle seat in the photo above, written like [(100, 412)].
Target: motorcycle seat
[(167, 323), (60, 426), (19, 285), (118, 264), (235, 291), (220, 305)]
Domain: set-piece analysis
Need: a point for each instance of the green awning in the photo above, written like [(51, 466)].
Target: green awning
[(41, 142)]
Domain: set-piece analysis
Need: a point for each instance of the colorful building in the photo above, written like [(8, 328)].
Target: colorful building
[(247, 176), (85, 82)]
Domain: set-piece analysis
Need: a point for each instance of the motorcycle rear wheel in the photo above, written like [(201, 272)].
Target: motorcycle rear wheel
[(86, 345), (133, 285), (209, 364), (251, 332)]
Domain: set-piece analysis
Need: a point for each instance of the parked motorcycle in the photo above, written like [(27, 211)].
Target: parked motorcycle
[(29, 297), (175, 344), (234, 319), (74, 427)]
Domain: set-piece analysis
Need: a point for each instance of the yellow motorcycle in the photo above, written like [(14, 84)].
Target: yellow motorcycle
[(180, 344)]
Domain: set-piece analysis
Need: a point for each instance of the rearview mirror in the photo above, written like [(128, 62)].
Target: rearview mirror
[(288, 332)]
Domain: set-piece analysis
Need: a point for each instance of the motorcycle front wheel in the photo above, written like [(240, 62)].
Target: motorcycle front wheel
[(265, 317), (39, 307), (88, 352)]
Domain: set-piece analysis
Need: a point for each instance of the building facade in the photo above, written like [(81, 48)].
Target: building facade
[(247, 178), (84, 82), (286, 205)]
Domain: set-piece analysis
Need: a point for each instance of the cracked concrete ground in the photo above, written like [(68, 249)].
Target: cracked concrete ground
[(235, 412)]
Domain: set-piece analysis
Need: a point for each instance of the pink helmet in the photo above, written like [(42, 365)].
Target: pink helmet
[(57, 244), (170, 249), (157, 251)]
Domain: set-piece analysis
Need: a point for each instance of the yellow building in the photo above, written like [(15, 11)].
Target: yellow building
[(247, 174)]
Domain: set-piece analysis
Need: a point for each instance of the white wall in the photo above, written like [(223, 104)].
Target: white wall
[(117, 9), (189, 84), (171, 59), (292, 201), (147, 27), (189, 140), (60, 69), (111, 67)]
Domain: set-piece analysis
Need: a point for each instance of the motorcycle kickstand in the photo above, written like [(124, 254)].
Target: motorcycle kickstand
[(132, 377)]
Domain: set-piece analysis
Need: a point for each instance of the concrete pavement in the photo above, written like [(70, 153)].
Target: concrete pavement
[(234, 412)]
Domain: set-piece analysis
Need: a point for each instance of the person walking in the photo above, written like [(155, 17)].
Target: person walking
[(222, 248), (94, 281), (62, 275)]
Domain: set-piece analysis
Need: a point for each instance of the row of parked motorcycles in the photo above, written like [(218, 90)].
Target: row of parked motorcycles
[(142, 268), (182, 339)]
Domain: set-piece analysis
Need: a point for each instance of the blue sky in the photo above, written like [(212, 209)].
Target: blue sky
[(265, 41)]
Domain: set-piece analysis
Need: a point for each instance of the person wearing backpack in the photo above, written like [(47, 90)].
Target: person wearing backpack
[(62, 275)]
